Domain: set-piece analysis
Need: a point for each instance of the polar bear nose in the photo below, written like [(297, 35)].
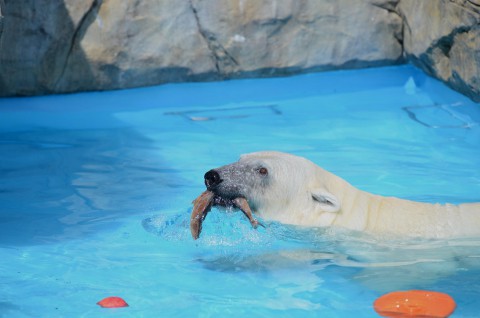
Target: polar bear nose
[(212, 179)]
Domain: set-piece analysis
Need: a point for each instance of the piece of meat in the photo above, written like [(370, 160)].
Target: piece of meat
[(242, 204), (205, 201), (201, 206)]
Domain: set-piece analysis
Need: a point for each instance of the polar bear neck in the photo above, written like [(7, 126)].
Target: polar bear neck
[(363, 211)]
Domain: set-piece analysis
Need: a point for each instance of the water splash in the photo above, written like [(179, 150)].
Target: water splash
[(222, 227)]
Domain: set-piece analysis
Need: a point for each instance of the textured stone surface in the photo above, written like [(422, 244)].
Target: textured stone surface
[(35, 43), (447, 43), (268, 37), (1, 17), (50, 46), (136, 43), (55, 46)]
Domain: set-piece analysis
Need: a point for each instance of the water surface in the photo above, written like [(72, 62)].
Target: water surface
[(96, 191)]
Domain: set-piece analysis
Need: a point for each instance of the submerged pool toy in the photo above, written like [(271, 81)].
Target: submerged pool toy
[(415, 303), (112, 302)]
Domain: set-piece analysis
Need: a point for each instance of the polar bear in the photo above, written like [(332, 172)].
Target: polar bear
[(293, 190)]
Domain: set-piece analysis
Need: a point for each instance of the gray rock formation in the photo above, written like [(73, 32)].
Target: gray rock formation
[(57, 46), (443, 38), (1, 17), (280, 37), (54, 46)]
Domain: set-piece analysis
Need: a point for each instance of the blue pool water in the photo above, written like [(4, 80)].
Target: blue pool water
[(96, 191)]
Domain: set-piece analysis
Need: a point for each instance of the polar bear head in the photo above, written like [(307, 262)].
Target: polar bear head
[(277, 186)]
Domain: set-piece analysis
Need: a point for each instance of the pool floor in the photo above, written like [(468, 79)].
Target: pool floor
[(96, 191)]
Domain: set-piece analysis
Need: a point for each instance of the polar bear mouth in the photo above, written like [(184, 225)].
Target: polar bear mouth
[(205, 201)]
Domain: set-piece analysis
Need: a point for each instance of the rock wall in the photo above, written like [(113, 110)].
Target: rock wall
[(58, 46), (55, 46), (443, 38), (1, 16)]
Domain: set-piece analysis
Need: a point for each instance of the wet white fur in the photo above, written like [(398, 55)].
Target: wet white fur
[(294, 182)]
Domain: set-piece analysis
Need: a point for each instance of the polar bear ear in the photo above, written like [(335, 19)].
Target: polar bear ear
[(327, 201)]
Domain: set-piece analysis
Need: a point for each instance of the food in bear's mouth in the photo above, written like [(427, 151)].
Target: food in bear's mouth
[(205, 201), (201, 206)]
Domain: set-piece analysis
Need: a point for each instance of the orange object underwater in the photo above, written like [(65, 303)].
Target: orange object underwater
[(415, 303), (112, 302)]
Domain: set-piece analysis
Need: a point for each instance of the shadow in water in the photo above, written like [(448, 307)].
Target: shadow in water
[(7, 308), (59, 185)]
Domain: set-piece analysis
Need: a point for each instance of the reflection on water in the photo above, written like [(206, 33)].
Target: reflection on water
[(229, 244), (57, 185)]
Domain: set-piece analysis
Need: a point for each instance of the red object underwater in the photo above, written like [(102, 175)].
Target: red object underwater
[(415, 303), (112, 302)]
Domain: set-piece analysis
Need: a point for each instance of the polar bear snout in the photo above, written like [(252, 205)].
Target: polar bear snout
[(212, 179), (228, 182)]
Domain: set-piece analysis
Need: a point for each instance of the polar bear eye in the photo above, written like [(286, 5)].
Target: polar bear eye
[(263, 171)]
